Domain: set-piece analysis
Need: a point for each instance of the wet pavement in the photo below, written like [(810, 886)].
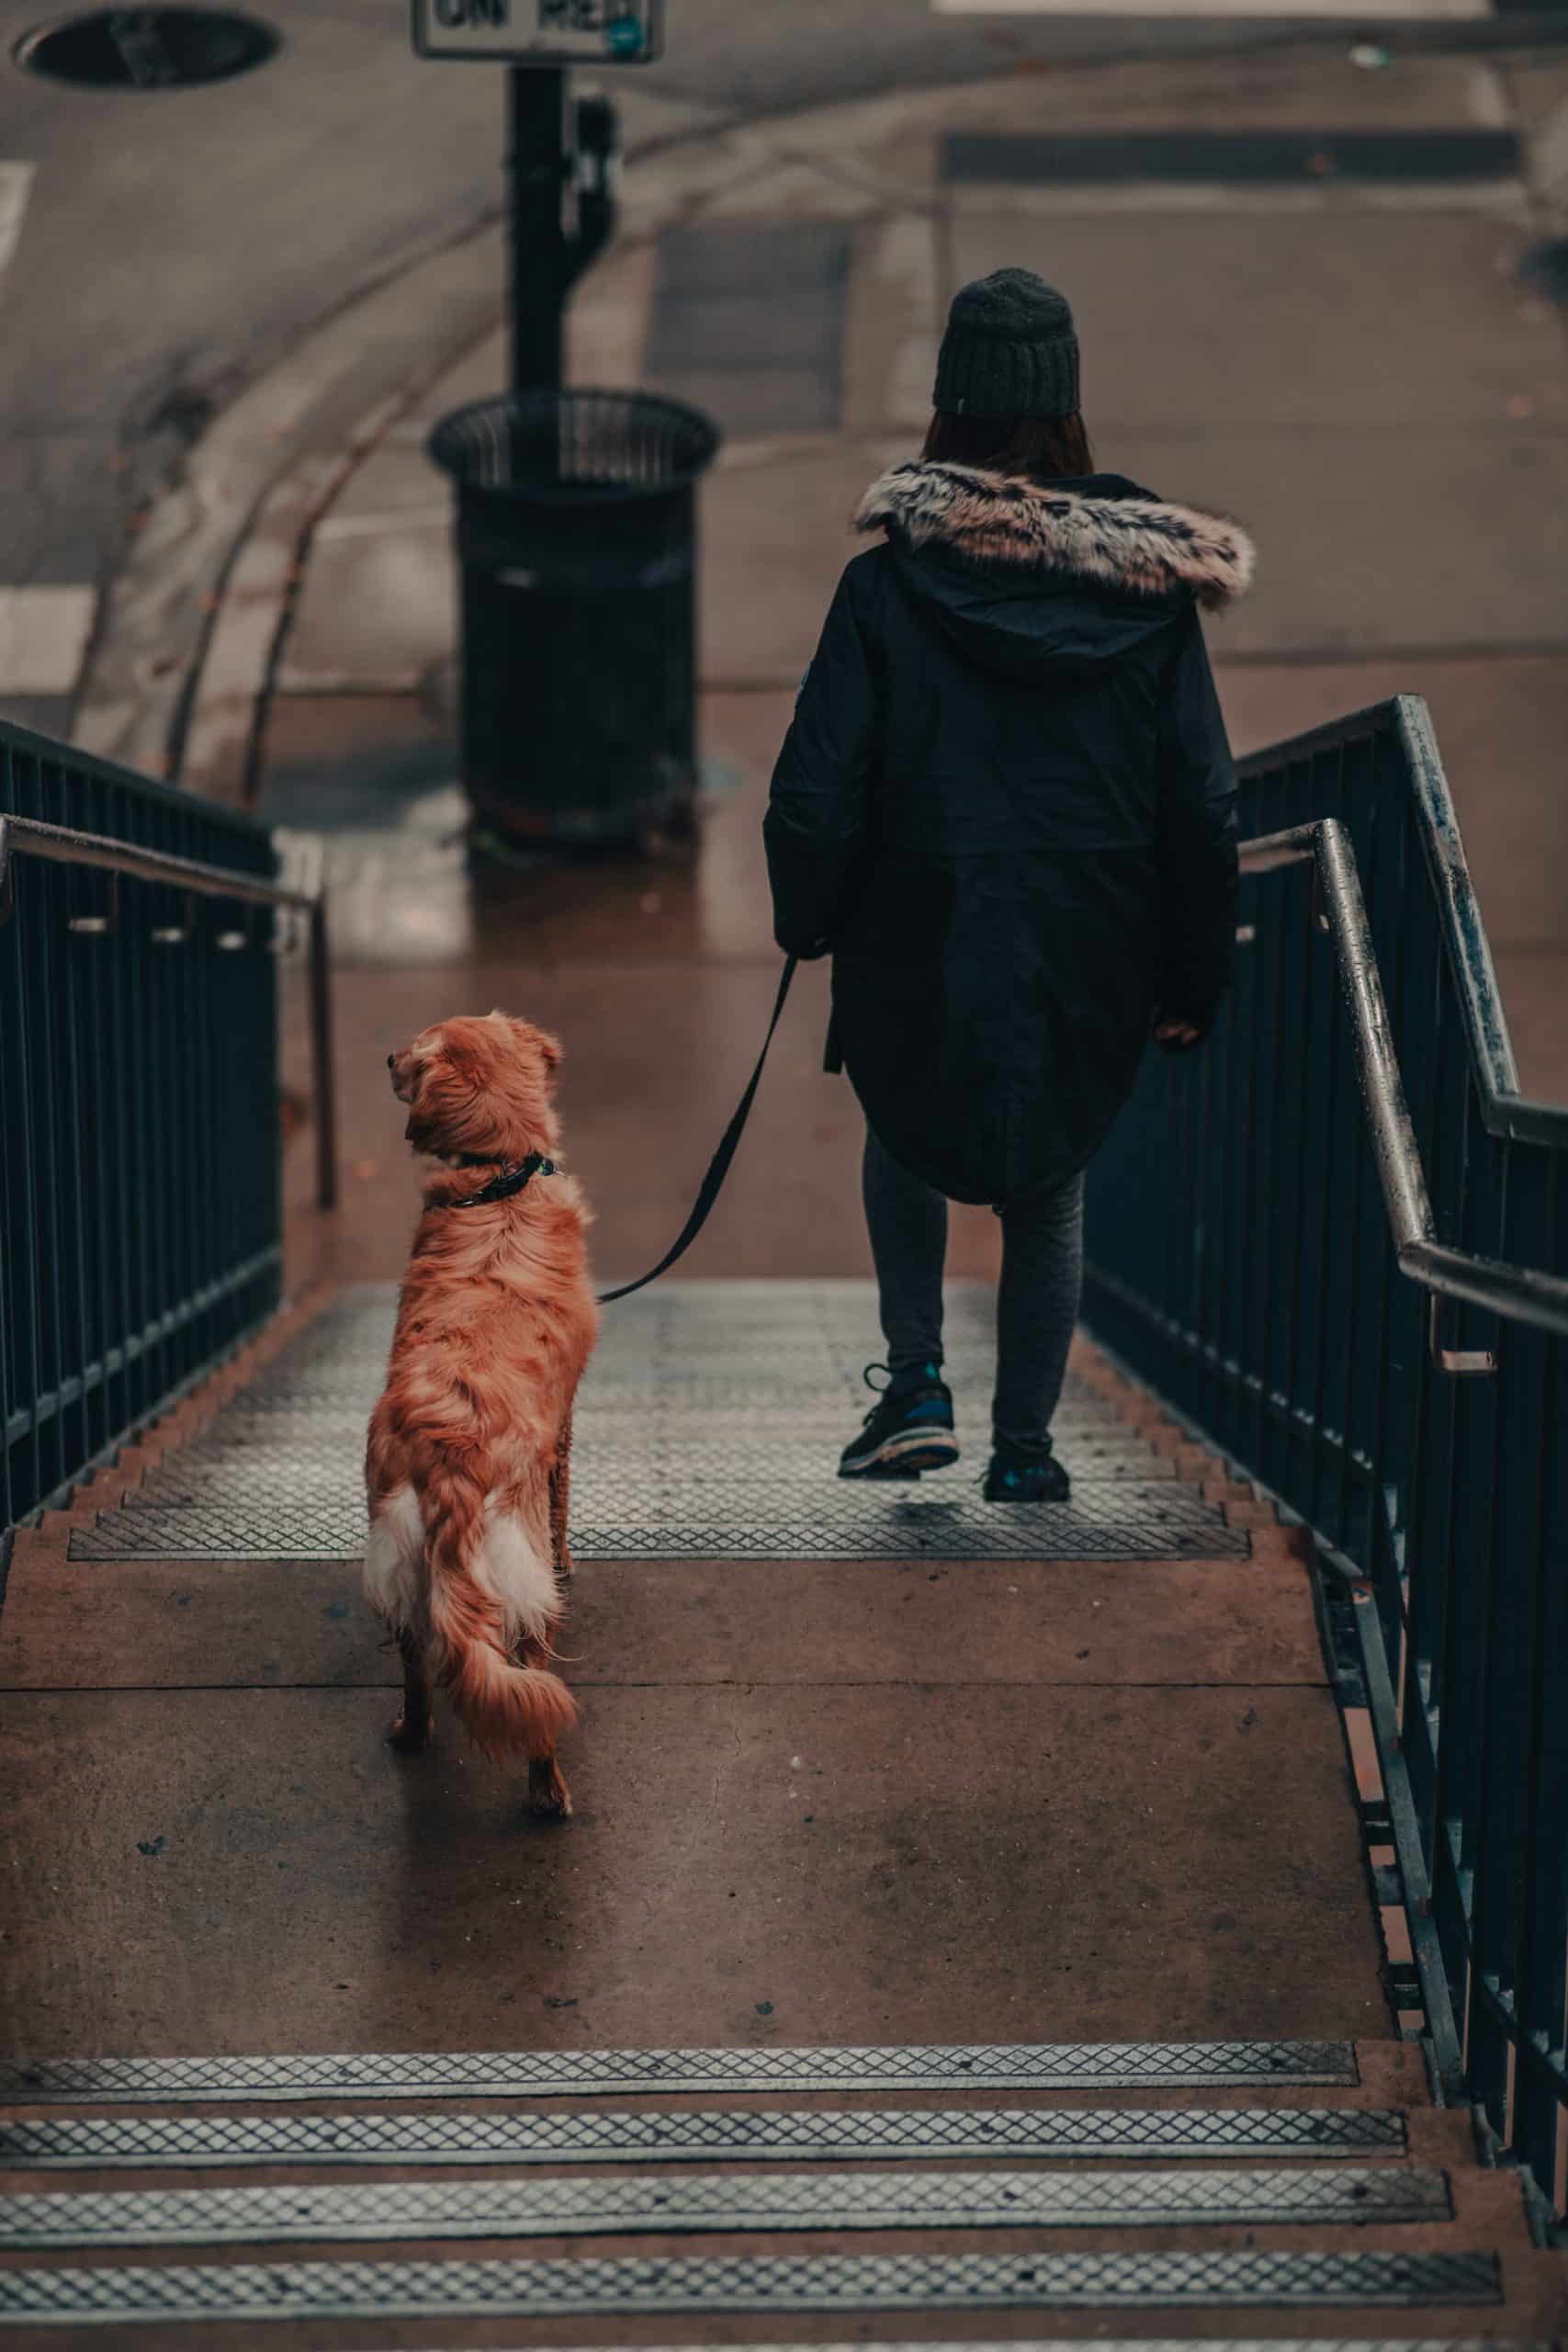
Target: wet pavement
[(1351, 364)]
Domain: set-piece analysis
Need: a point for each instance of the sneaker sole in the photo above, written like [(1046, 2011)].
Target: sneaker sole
[(905, 1455)]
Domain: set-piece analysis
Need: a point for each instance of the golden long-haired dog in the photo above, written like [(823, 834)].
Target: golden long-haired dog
[(468, 1453)]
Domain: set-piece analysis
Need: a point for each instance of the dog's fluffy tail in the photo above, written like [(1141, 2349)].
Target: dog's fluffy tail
[(491, 1584)]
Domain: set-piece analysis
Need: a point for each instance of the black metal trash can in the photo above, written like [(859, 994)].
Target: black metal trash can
[(576, 539)]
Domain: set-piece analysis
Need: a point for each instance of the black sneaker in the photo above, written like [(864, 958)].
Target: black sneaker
[(1017, 1477), (909, 1428)]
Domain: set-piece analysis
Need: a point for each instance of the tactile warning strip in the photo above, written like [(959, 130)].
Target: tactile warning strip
[(708, 1426), (617, 2287), (596, 2074), (690, 2135), (718, 2204)]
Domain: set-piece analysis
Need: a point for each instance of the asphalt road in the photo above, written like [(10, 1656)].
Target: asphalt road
[(176, 241)]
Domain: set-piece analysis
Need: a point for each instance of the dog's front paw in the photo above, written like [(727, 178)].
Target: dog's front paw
[(408, 1738)]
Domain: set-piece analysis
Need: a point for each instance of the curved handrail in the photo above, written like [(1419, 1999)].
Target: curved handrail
[(1504, 1110), (1517, 1293)]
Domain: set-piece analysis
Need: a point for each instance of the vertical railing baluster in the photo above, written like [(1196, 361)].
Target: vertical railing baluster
[(1430, 1545), (1323, 1462), (1501, 1457), (69, 1053), (53, 1435), (1271, 953), (1540, 1550)]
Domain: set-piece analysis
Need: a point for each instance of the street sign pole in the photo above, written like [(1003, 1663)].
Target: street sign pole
[(536, 168), (547, 147)]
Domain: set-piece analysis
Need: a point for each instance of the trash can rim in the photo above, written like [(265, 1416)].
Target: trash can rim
[(707, 435)]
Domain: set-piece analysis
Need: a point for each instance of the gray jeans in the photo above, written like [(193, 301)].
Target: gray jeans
[(1037, 1298)]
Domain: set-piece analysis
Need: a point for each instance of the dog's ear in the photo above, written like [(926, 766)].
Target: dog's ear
[(547, 1047)]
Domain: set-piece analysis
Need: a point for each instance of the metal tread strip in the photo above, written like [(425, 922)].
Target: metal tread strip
[(719, 2203), (542, 2074), (641, 1510), (689, 2135), (708, 1428), (419, 2288)]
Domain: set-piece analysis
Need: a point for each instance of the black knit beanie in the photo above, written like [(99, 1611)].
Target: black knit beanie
[(1009, 350)]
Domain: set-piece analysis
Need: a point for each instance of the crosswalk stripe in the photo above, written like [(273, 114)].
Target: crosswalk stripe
[(16, 187), (43, 635), (43, 631)]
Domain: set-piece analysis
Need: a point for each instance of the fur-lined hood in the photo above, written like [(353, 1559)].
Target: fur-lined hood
[(1106, 532)]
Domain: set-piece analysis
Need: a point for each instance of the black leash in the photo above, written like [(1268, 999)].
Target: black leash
[(719, 1166)]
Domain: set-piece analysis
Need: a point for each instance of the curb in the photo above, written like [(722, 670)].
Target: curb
[(165, 611), (204, 729), (189, 631), (219, 752)]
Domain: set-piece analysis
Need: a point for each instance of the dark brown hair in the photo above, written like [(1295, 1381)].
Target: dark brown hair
[(1041, 448)]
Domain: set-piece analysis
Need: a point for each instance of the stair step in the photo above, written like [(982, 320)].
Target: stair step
[(612, 2288), (714, 2203), (546, 2074), (690, 2135), (276, 1474)]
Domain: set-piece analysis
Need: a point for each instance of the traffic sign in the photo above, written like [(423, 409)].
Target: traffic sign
[(541, 32)]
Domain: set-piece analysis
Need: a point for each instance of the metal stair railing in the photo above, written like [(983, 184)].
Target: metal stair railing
[(141, 1197), (1277, 1229)]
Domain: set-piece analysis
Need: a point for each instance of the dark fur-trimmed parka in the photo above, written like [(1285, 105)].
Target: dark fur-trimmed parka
[(1005, 806)]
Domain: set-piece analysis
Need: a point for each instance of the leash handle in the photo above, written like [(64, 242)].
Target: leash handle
[(719, 1166)]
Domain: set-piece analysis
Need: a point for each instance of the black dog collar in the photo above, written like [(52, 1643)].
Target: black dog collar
[(510, 1181)]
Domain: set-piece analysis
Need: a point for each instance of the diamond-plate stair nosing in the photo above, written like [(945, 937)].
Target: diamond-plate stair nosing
[(597, 2073), (764, 1489), (594, 2286), (690, 2135), (719, 2204)]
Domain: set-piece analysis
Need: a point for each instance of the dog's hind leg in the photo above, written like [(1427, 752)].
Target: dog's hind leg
[(548, 1797), (394, 1576), (560, 1497), (413, 1729)]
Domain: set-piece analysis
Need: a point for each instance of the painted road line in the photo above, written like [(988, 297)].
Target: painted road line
[(43, 636), (16, 187)]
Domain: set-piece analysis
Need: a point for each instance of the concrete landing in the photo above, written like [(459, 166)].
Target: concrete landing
[(907, 1800)]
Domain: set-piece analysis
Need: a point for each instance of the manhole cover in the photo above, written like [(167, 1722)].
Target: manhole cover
[(147, 48)]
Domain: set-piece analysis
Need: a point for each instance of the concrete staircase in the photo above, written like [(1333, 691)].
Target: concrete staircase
[(1191, 2190), (1112, 1731)]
